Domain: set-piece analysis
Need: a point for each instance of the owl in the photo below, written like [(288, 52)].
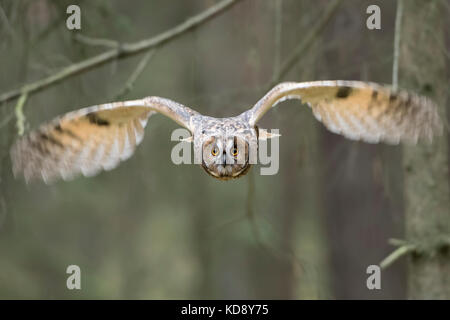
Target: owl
[(99, 137)]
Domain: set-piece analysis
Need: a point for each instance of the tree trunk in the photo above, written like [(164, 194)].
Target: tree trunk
[(427, 199)]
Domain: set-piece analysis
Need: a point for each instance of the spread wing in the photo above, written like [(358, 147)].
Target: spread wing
[(91, 139), (359, 110)]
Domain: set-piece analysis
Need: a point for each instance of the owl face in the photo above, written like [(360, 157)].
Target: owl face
[(225, 157)]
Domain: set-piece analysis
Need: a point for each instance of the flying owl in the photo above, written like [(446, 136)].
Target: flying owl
[(98, 138)]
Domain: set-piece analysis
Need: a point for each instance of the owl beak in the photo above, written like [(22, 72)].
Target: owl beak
[(224, 158)]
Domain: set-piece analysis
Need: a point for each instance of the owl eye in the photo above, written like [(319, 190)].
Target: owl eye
[(215, 151), (234, 151)]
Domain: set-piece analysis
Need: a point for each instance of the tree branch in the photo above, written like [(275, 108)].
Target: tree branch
[(395, 255), (398, 26), (428, 247), (307, 41), (124, 50), (278, 35), (135, 75), (19, 113), (96, 41)]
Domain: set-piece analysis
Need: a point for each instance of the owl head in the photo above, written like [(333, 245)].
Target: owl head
[(226, 156)]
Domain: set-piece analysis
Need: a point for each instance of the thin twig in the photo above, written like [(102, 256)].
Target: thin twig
[(96, 41), (398, 26), (135, 75), (278, 35), (252, 219), (5, 22), (19, 113), (251, 211), (441, 44), (429, 247), (307, 42), (397, 242), (6, 120), (124, 50), (395, 255)]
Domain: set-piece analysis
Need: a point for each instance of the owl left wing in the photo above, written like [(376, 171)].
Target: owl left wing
[(359, 110), (91, 139)]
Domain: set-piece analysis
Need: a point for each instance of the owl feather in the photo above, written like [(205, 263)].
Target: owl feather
[(98, 138)]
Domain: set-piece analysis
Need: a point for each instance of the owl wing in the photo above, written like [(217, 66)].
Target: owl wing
[(91, 139), (359, 110)]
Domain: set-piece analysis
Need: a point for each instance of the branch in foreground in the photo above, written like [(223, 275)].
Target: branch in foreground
[(429, 247), (19, 113), (124, 50), (395, 255)]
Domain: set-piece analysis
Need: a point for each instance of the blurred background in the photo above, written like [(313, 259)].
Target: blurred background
[(153, 230)]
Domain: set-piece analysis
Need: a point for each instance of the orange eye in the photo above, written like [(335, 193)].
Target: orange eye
[(234, 151), (215, 151)]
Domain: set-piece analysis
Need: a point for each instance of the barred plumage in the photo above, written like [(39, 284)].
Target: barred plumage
[(100, 137), (360, 110)]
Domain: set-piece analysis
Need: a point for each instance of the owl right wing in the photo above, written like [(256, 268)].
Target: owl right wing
[(91, 139), (359, 110)]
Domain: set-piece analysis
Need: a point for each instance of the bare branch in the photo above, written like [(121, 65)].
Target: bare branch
[(428, 247), (307, 42), (398, 26), (96, 41), (395, 255), (124, 50), (135, 75), (6, 120), (278, 35), (5, 22), (19, 113)]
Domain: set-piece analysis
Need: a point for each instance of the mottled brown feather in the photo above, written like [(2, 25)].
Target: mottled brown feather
[(360, 110), (89, 140), (100, 137)]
